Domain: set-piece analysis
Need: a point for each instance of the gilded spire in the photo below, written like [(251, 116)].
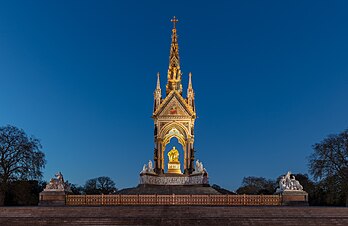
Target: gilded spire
[(174, 72)]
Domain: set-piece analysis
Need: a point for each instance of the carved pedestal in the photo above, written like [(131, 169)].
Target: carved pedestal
[(52, 198), (174, 167), (174, 179), (294, 198), (55, 191), (292, 191)]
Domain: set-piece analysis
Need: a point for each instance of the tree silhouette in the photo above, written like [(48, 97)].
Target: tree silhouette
[(329, 162), (21, 158), (100, 185), (257, 186)]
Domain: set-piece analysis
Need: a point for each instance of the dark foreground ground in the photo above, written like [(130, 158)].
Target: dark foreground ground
[(173, 215)]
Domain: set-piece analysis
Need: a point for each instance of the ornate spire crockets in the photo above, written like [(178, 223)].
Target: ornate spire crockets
[(174, 72)]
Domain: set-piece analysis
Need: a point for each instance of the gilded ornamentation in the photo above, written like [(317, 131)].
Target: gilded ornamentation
[(174, 114), (174, 164), (174, 72), (173, 155)]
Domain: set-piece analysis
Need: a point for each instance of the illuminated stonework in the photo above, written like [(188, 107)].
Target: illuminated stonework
[(174, 180), (174, 115)]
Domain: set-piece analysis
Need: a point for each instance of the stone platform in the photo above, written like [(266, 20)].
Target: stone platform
[(174, 179), (173, 215), (148, 189)]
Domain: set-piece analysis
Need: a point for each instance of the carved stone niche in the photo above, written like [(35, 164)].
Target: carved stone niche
[(55, 192)]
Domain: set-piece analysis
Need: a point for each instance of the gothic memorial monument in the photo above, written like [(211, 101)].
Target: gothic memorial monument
[(174, 117)]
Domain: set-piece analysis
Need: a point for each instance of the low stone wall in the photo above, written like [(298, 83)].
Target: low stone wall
[(212, 200), (59, 198)]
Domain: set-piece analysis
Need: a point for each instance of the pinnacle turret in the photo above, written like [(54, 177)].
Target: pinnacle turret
[(158, 86), (158, 93), (190, 93)]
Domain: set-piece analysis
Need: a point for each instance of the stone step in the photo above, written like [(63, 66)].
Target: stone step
[(175, 221), (173, 215)]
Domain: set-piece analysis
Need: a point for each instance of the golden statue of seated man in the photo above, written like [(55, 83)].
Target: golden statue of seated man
[(173, 155)]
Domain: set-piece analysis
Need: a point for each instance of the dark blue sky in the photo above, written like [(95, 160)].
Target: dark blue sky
[(271, 79)]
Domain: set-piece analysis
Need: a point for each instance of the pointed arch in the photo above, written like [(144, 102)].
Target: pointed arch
[(174, 129)]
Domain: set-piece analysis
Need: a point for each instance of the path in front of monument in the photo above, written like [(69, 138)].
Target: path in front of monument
[(174, 215)]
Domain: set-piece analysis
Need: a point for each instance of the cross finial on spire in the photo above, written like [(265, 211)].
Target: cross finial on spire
[(174, 21), (174, 72)]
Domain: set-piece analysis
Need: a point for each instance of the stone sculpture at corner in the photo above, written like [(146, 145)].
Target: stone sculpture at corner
[(292, 191), (57, 184), (199, 168), (289, 183), (55, 191), (147, 168)]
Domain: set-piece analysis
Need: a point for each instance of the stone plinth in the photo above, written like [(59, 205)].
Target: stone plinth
[(294, 198), (174, 179), (55, 191), (52, 198)]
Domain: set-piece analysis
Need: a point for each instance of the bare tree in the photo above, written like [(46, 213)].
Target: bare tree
[(329, 162), (100, 185), (106, 185), (90, 187), (21, 158)]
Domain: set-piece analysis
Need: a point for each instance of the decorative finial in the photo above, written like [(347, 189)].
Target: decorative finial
[(190, 93), (174, 21), (158, 86), (190, 80)]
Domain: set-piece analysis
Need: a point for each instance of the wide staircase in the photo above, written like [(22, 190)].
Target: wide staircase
[(174, 215)]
